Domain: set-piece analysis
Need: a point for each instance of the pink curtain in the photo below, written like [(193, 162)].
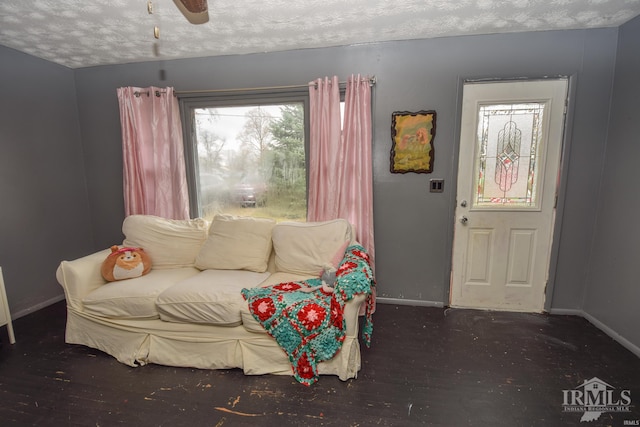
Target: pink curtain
[(155, 180), (340, 162), (356, 173), (324, 149)]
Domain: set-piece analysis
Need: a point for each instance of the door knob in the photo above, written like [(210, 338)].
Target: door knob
[(464, 220)]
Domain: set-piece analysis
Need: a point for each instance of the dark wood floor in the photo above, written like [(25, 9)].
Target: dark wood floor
[(426, 366)]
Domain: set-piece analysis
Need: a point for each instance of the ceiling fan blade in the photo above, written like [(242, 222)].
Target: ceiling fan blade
[(196, 11), (195, 6)]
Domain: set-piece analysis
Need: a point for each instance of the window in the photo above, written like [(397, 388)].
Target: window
[(246, 154)]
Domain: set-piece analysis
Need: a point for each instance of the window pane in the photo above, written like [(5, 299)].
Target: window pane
[(251, 161), (507, 155)]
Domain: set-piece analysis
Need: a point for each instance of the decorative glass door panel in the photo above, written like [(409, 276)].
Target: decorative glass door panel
[(508, 156)]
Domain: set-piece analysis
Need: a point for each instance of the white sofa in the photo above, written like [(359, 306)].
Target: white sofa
[(189, 311)]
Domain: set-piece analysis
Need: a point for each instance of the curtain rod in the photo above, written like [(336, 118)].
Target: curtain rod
[(372, 82), (146, 92)]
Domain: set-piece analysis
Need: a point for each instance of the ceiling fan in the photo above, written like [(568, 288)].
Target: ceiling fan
[(196, 11)]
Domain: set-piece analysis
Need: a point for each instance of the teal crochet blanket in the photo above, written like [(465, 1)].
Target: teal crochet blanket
[(306, 319)]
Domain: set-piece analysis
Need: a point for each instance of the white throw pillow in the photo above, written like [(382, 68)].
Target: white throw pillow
[(309, 247), (169, 243), (237, 243)]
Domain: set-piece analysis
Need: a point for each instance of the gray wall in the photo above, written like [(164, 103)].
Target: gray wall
[(613, 288), (43, 204), (413, 227)]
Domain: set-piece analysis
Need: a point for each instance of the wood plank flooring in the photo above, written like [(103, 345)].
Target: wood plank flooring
[(426, 366)]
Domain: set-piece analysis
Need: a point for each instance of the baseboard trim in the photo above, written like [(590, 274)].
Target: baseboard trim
[(414, 302), (566, 312), (39, 306), (600, 325), (613, 334)]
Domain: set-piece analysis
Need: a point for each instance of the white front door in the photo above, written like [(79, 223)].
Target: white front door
[(510, 140)]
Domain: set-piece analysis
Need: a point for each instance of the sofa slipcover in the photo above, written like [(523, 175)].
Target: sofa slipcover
[(179, 315), (211, 296)]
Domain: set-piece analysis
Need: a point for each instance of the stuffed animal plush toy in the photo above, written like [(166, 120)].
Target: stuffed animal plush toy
[(125, 263)]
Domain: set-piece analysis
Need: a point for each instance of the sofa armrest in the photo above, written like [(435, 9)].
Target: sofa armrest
[(81, 276), (351, 314)]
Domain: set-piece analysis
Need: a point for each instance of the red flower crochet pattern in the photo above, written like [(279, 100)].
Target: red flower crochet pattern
[(346, 268), (287, 287), (336, 314), (263, 308), (304, 368), (311, 316)]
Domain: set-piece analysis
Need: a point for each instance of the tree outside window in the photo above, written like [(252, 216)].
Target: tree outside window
[(250, 160)]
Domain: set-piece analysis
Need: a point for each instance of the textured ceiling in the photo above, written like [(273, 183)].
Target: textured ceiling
[(79, 33)]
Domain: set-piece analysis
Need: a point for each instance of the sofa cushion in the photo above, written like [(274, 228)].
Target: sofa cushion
[(237, 243), (134, 298), (169, 243), (309, 247), (212, 297)]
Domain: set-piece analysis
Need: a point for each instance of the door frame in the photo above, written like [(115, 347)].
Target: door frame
[(561, 187)]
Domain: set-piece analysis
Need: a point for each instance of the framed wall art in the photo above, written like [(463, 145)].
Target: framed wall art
[(412, 136)]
